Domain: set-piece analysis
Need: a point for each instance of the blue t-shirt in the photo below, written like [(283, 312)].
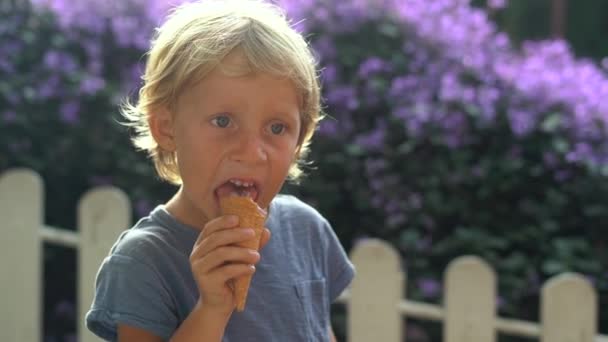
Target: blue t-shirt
[(146, 281)]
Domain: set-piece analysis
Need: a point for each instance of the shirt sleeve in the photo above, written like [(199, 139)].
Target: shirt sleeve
[(340, 269), (130, 292)]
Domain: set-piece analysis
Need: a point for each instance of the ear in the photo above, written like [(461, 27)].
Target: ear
[(161, 127)]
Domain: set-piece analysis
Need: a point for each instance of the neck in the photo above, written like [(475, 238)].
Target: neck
[(185, 211)]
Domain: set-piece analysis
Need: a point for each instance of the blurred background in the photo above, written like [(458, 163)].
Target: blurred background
[(453, 128)]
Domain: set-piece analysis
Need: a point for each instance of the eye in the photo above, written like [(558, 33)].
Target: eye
[(277, 128), (221, 121)]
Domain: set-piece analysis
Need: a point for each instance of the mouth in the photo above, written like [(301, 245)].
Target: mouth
[(238, 187)]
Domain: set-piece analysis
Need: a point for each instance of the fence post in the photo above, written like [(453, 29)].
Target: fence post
[(102, 214), (22, 215), (375, 292), (568, 309), (470, 301)]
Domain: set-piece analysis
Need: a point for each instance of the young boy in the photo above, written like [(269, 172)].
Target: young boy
[(229, 103)]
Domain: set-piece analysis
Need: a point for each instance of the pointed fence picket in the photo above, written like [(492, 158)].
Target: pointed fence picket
[(21, 212), (376, 307), (569, 303), (569, 310), (373, 314), (102, 214), (470, 301)]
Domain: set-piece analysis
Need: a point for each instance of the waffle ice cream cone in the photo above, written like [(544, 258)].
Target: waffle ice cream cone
[(250, 216)]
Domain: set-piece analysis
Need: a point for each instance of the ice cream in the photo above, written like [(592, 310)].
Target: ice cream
[(250, 216)]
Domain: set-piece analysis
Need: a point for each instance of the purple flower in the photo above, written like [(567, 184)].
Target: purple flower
[(49, 87), (374, 140), (550, 160), (9, 116), (604, 63), (143, 207), (521, 122), (581, 152), (343, 97), (69, 112), (13, 98), (91, 85), (59, 61), (497, 4), (329, 74), (65, 310), (424, 244), (430, 288), (325, 47), (402, 85), (70, 338), (100, 180), (377, 184), (374, 166), (562, 175), (371, 66), (6, 66), (328, 127), (453, 56), (415, 332), (450, 88)]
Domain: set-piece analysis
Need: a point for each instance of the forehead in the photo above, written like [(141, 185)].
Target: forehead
[(218, 91), (235, 77), (236, 63)]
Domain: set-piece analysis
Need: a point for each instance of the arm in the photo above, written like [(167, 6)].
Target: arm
[(188, 328), (129, 333), (201, 325), (214, 263)]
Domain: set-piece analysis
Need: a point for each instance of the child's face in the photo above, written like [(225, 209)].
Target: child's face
[(235, 128)]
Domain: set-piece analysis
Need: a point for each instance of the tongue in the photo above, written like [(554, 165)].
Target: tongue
[(229, 189)]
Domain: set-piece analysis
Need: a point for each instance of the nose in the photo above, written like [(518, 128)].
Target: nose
[(250, 148)]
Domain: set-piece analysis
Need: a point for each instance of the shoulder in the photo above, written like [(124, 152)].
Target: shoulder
[(292, 208), (143, 242)]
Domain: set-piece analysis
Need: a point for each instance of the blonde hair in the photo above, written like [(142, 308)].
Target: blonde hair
[(195, 39)]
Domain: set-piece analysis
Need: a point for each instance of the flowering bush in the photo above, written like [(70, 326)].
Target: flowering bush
[(446, 140), (440, 137)]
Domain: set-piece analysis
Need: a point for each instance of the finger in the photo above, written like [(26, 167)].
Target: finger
[(217, 224), (223, 256), (221, 238), (223, 275), (265, 237)]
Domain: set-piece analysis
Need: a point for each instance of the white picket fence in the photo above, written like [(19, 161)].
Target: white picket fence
[(376, 307)]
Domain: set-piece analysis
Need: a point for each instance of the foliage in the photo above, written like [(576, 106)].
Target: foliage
[(446, 140)]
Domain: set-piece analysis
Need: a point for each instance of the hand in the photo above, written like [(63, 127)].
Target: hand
[(216, 260)]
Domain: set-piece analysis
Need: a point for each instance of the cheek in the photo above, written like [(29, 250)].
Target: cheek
[(287, 152), (192, 154)]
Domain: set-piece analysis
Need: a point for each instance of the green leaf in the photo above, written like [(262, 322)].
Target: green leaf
[(389, 29), (561, 145), (551, 123), (354, 150), (405, 147), (551, 267)]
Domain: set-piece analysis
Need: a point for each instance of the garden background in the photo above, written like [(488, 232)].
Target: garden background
[(453, 128)]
